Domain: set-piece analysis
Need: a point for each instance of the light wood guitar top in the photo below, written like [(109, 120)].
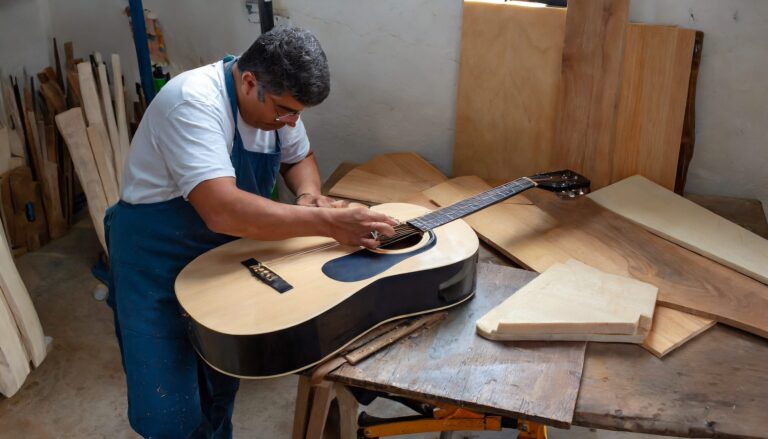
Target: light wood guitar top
[(218, 292)]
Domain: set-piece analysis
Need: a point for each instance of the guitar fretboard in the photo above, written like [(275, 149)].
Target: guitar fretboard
[(470, 205)]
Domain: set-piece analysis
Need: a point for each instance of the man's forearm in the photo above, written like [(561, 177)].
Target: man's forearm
[(303, 177)]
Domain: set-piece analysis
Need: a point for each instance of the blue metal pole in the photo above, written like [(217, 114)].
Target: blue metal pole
[(142, 49)]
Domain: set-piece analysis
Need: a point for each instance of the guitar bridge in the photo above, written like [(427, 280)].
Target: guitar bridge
[(264, 274)]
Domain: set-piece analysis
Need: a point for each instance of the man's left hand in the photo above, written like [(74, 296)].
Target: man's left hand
[(312, 200)]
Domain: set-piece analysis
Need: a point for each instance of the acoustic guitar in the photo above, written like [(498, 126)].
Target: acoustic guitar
[(258, 309)]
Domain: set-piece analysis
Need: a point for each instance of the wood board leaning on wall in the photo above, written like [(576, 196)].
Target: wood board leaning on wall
[(523, 105)]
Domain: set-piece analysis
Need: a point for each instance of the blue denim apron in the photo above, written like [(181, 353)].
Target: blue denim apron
[(172, 393)]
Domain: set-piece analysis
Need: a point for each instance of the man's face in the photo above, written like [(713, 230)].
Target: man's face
[(263, 110)]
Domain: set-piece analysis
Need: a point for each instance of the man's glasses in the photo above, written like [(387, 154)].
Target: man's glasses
[(292, 116)]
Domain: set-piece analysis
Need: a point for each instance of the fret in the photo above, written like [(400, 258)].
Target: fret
[(470, 205)]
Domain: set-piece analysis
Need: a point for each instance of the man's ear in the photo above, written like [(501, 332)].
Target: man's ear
[(249, 83)]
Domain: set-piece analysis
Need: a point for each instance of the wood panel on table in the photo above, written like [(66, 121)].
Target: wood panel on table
[(554, 230), (506, 105), (387, 177), (20, 304), (652, 103), (574, 301), (532, 380), (595, 33), (672, 328), (687, 224), (72, 128)]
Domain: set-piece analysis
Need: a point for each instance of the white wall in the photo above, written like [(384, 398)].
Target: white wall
[(394, 71), (24, 39)]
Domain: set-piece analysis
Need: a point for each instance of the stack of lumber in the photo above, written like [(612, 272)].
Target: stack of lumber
[(39, 185), (578, 88), (96, 134), (574, 302)]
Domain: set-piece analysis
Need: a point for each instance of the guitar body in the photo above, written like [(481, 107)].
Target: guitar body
[(310, 296)]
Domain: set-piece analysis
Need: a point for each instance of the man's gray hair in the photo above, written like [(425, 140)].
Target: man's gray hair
[(289, 60)]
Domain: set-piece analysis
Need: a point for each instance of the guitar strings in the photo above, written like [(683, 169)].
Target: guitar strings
[(402, 230)]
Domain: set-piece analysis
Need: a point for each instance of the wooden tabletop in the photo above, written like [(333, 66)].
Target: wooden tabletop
[(714, 386)]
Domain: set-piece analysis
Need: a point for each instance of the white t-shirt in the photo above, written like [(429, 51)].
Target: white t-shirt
[(186, 136)]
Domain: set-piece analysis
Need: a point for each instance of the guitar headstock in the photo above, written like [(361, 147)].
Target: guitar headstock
[(566, 184)]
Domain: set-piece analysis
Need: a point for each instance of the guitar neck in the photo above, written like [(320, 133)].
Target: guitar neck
[(471, 205)]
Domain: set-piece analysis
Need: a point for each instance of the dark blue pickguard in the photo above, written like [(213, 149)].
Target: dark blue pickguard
[(364, 264)]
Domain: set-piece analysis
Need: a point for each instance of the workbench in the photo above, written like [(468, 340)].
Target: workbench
[(714, 386)]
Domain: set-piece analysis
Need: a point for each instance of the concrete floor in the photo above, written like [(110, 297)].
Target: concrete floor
[(79, 390)]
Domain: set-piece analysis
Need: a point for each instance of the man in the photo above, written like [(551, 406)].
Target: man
[(201, 168)]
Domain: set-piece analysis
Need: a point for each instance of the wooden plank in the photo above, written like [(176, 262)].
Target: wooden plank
[(687, 224), (595, 32), (652, 104), (407, 166), (689, 124), (554, 230), (388, 177), (72, 128), (57, 226), (100, 146), (364, 186), (90, 95), (20, 304), (747, 213), (538, 381), (509, 72), (6, 212), (111, 124), (672, 328), (29, 215), (574, 301), (5, 150), (122, 122), (343, 169), (14, 365), (715, 386)]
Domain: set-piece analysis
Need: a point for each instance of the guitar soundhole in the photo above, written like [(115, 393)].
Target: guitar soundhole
[(408, 241)]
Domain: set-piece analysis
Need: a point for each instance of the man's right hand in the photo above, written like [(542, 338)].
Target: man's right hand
[(353, 226)]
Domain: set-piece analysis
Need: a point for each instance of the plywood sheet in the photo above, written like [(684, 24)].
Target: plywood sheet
[(685, 223), (672, 328), (509, 73), (595, 32), (651, 111), (530, 380), (575, 301), (388, 177), (554, 230)]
